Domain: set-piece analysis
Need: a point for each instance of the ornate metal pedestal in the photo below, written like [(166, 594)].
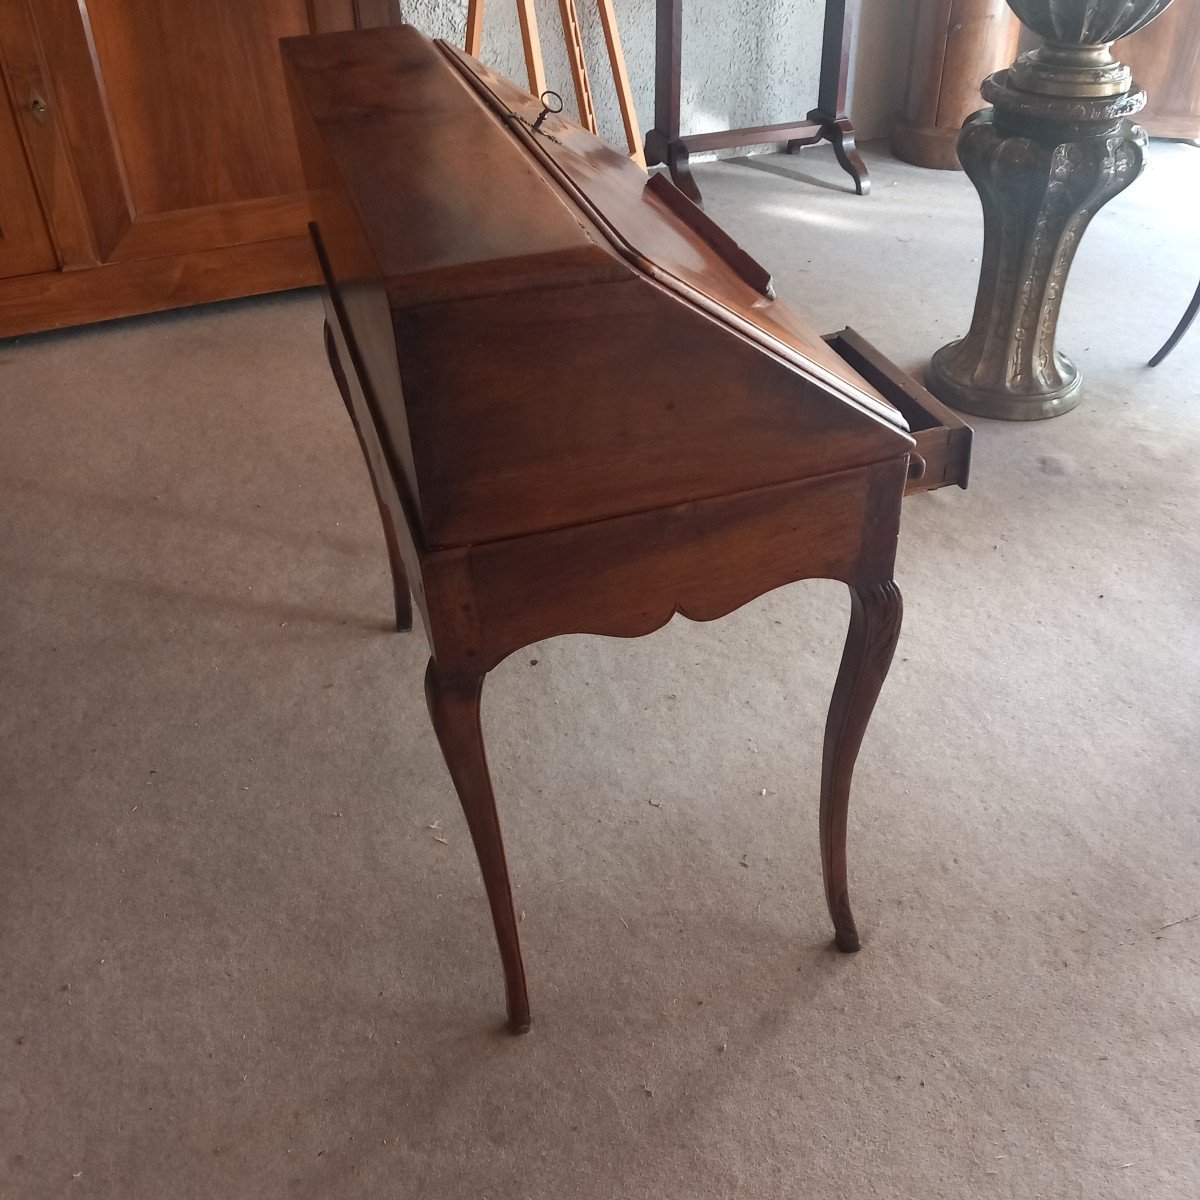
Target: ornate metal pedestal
[(1055, 147), (1041, 180)]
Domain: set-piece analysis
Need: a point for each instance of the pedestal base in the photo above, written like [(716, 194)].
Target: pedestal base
[(1002, 405), (1043, 167)]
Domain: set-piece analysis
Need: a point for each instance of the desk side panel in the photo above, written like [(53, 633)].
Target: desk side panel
[(364, 322), (629, 576), (556, 408)]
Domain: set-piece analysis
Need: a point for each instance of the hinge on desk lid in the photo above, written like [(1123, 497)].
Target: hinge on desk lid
[(746, 268)]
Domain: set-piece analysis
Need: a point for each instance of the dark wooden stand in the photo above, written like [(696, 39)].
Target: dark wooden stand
[(827, 122)]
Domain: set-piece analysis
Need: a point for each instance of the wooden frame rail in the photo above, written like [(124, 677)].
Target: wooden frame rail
[(827, 122)]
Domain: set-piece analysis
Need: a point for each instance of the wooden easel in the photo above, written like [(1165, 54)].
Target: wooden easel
[(536, 70)]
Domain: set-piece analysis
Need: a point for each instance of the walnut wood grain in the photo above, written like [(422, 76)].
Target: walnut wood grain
[(628, 576), (587, 451), (943, 438), (57, 43), (731, 421), (60, 299), (627, 211), (196, 129), (159, 147), (72, 228)]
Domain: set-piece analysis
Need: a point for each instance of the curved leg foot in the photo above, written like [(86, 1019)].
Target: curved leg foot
[(875, 615), (841, 134), (679, 164), (1180, 329), (400, 594), (454, 710)]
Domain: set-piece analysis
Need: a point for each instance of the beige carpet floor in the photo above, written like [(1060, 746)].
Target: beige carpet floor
[(244, 949)]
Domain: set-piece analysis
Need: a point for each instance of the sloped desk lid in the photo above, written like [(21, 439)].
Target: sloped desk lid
[(657, 228), (541, 211)]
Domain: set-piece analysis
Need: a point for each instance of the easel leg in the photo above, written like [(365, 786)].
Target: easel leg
[(620, 74), (841, 20), (532, 44), (681, 173), (841, 134), (473, 42), (875, 615), (454, 710)]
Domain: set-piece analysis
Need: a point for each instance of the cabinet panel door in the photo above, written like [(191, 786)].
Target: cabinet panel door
[(25, 246), (176, 119), (196, 94), (1165, 60)]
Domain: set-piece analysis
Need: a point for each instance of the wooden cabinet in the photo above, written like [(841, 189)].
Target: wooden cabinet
[(151, 162), (25, 245), (1165, 60), (956, 45)]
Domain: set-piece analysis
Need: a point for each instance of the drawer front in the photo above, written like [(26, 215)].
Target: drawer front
[(943, 438)]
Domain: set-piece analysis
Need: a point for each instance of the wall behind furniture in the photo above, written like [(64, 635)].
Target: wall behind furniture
[(745, 62)]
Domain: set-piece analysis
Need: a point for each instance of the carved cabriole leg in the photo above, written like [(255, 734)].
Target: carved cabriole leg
[(454, 710), (875, 616), (400, 593)]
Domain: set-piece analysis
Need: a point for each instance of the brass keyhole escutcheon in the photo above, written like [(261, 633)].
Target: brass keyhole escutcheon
[(38, 106)]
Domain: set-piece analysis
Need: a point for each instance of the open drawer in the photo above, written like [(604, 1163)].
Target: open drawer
[(943, 438)]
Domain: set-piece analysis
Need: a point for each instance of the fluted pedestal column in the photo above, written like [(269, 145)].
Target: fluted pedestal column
[(1043, 166)]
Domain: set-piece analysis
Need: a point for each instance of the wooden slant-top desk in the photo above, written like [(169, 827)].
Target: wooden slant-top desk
[(582, 408)]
